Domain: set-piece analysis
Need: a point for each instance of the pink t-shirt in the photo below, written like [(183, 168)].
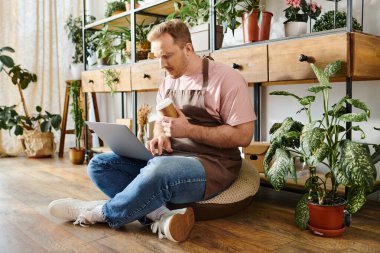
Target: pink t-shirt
[(227, 98)]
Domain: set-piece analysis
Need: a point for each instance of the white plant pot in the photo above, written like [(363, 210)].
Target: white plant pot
[(76, 70), (295, 28), (200, 36)]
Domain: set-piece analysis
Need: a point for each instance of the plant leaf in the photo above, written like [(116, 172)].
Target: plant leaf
[(322, 77), (307, 100), (284, 93), (357, 164), (7, 61), (312, 139), (274, 127), (362, 133), (360, 105), (9, 49), (332, 68), (269, 156), (279, 170), (302, 212), (45, 126), (318, 88), (354, 117), (356, 198), (280, 132)]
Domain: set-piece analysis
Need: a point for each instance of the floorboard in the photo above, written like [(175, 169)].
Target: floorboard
[(28, 185)]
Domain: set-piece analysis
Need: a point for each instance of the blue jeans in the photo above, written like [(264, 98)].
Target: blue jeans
[(137, 187)]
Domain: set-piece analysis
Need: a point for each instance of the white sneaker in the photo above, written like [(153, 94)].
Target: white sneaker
[(175, 225), (75, 210)]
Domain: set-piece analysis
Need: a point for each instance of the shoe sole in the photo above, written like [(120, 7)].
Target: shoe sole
[(180, 226)]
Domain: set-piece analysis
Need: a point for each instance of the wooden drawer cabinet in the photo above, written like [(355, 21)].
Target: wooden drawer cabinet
[(285, 65), (365, 56), (147, 75), (93, 80), (251, 62)]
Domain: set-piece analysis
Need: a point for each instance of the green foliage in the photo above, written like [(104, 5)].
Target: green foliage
[(114, 6), (76, 111), (73, 27), (229, 10), (103, 39), (191, 12), (111, 78), (323, 141), (326, 22), (10, 119)]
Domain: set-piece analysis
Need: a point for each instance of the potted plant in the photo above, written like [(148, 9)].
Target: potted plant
[(256, 21), (322, 142), (114, 8), (195, 13), (38, 139), (297, 13), (77, 153), (73, 27), (326, 22), (103, 39), (142, 43)]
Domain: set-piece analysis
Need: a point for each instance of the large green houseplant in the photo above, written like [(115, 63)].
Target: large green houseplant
[(36, 129), (322, 142)]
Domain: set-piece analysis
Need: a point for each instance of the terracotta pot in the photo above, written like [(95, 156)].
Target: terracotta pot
[(327, 217), (76, 155), (251, 30)]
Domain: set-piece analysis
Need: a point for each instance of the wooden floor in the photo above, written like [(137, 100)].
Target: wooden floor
[(27, 186)]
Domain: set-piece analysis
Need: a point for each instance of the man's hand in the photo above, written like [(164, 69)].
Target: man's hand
[(160, 142), (175, 127)]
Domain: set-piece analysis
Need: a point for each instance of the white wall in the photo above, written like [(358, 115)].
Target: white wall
[(274, 108)]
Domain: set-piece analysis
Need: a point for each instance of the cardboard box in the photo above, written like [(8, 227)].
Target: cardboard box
[(255, 154)]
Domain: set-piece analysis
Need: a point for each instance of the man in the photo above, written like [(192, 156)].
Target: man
[(197, 153)]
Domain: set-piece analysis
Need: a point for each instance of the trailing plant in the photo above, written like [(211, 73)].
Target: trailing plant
[(73, 27), (114, 6), (111, 78), (326, 22), (9, 117), (323, 142), (76, 111)]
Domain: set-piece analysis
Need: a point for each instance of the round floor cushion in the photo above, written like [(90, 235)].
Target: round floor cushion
[(234, 199)]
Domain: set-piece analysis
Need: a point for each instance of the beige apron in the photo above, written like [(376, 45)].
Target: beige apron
[(221, 165)]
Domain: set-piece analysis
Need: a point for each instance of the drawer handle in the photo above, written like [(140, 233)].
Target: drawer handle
[(236, 66), (253, 157), (305, 58), (146, 76), (91, 81), (116, 80)]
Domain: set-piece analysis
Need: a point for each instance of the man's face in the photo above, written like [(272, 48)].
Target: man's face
[(173, 58)]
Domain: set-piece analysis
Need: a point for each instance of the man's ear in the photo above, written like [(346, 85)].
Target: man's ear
[(189, 47)]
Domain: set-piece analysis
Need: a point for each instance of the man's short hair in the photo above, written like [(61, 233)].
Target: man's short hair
[(175, 28)]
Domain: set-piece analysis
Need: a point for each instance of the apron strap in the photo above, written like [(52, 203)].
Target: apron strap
[(205, 73)]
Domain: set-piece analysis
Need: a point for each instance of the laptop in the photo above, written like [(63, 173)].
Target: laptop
[(121, 140)]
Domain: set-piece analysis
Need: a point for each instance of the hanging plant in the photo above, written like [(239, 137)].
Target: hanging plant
[(111, 78)]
